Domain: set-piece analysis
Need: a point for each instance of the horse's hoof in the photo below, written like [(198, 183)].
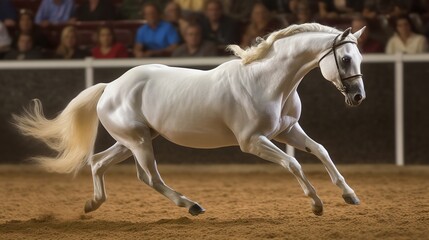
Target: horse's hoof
[(351, 199), (317, 210), (196, 210), (90, 206)]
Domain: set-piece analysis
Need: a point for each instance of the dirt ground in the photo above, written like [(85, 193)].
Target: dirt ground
[(241, 201)]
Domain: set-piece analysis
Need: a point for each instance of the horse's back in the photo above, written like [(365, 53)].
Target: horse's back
[(152, 72)]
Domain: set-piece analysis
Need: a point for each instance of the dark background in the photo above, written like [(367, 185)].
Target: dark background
[(351, 135)]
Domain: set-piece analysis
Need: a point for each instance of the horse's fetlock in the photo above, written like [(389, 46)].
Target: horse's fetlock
[(306, 192), (338, 181), (100, 199)]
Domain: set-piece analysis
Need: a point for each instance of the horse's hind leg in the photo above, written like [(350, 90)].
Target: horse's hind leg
[(148, 173), (297, 138), (100, 163)]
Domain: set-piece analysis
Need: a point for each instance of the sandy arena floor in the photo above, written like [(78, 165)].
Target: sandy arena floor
[(241, 201)]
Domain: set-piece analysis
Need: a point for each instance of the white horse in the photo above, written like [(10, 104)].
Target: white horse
[(246, 102)]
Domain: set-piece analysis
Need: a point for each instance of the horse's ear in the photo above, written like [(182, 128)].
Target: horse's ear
[(358, 33), (345, 33)]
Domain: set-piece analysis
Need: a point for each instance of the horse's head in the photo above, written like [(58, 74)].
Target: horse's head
[(341, 66)]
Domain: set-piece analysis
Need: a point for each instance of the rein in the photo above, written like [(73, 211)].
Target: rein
[(340, 84)]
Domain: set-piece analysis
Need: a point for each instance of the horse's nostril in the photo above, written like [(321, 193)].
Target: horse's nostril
[(358, 97)]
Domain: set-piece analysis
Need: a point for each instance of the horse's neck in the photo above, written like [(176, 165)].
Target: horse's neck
[(289, 61)]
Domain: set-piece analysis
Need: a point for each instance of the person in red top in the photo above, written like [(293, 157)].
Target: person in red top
[(107, 47)]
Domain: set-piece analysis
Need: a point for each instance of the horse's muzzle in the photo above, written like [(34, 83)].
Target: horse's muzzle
[(354, 91), (354, 99)]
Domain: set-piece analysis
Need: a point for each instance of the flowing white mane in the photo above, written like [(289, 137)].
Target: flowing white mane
[(260, 50)]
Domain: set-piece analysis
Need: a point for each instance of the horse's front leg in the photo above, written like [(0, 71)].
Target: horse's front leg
[(297, 138), (261, 146), (147, 172)]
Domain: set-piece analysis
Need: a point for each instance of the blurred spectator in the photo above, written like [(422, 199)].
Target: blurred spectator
[(54, 12), (95, 10), (292, 7), (68, 48), (304, 14), (405, 39), (400, 8), (397, 9), (331, 9), (370, 11), (191, 6), (7, 13), (194, 44), (24, 49), (326, 9), (218, 27), (27, 26), (411, 6), (366, 43), (277, 6), (157, 37), (173, 15), (132, 9), (239, 9), (5, 40), (261, 23), (107, 47), (290, 10), (380, 6), (347, 6)]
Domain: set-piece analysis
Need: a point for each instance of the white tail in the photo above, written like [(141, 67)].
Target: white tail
[(72, 133)]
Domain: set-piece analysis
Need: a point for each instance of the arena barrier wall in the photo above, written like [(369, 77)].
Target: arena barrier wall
[(389, 127)]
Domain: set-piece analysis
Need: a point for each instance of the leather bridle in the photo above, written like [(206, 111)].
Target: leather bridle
[(335, 45)]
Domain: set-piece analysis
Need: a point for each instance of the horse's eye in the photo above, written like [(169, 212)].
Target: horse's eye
[(346, 59)]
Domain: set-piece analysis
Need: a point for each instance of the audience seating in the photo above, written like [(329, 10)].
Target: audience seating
[(32, 5), (339, 23), (124, 36), (86, 32), (125, 30)]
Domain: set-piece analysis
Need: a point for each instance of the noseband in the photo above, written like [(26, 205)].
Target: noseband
[(335, 45)]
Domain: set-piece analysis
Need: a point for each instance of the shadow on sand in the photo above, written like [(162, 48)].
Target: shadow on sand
[(86, 224)]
